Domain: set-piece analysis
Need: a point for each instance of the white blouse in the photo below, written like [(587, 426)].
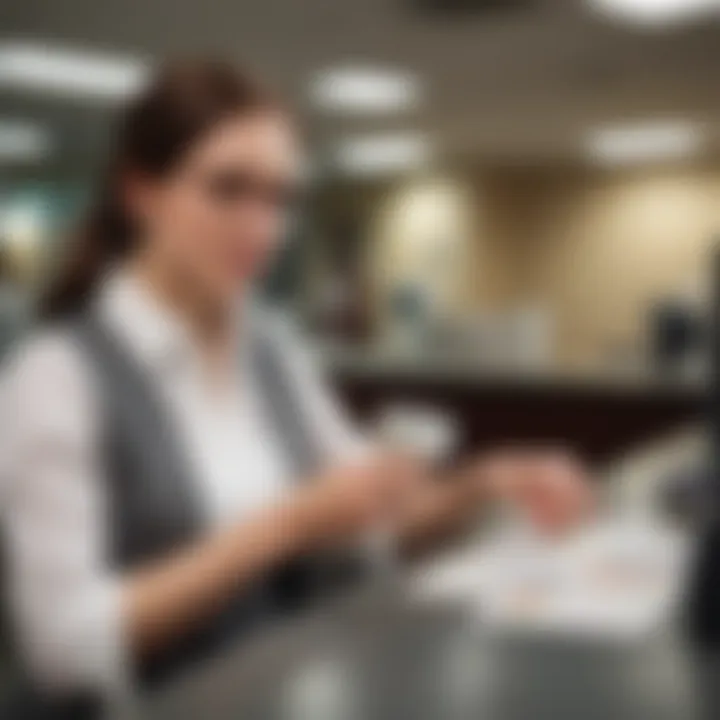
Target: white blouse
[(65, 596)]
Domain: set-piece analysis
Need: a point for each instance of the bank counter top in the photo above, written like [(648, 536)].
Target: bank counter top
[(387, 653), (384, 657)]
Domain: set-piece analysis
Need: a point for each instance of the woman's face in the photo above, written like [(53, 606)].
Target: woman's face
[(216, 220)]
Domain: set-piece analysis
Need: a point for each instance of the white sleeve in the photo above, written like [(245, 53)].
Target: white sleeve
[(66, 602)]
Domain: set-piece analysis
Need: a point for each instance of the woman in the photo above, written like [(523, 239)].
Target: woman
[(168, 449)]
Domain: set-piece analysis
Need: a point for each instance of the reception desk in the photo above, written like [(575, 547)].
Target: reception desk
[(386, 652), (598, 414), (385, 657)]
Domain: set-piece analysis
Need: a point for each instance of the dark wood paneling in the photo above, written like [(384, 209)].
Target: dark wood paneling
[(597, 422)]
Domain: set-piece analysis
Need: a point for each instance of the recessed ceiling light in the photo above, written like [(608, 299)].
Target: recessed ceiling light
[(655, 12), (369, 90), (23, 141), (383, 154), (66, 71), (644, 142)]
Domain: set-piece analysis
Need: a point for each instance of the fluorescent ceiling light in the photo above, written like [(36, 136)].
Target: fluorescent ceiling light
[(65, 71), (23, 141), (383, 154), (366, 90), (644, 142), (655, 12)]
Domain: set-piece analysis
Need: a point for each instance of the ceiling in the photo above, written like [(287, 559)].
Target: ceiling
[(516, 85)]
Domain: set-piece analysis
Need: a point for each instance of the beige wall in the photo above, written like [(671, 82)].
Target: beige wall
[(598, 248), (593, 248), (424, 233)]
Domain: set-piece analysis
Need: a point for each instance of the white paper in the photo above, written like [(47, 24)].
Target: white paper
[(615, 580)]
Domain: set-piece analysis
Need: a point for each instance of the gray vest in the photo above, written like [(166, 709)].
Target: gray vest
[(153, 503)]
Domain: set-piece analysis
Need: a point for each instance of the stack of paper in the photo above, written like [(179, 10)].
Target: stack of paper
[(616, 580)]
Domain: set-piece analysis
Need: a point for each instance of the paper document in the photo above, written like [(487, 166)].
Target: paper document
[(616, 580)]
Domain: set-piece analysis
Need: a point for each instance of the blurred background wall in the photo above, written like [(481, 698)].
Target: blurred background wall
[(595, 249), (531, 186)]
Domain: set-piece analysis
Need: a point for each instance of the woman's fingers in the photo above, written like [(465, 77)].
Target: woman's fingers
[(366, 494), (550, 487), (557, 493)]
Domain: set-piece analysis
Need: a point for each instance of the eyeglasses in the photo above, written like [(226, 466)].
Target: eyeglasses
[(233, 186)]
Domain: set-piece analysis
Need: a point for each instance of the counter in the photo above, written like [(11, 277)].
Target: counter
[(384, 657), (388, 654), (599, 413)]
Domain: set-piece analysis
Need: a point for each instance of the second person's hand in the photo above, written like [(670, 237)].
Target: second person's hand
[(551, 488)]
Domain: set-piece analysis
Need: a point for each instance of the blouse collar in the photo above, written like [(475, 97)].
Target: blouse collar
[(158, 337)]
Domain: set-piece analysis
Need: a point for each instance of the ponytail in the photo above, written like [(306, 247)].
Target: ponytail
[(105, 237)]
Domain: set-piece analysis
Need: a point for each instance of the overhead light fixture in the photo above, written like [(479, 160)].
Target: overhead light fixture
[(368, 90), (66, 71), (21, 141), (644, 142), (655, 12), (383, 154)]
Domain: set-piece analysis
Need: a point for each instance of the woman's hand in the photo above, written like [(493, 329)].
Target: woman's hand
[(162, 600), (551, 488), (351, 499)]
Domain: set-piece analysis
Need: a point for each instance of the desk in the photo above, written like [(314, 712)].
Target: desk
[(383, 657)]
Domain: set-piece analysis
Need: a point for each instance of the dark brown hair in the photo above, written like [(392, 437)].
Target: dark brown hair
[(180, 105)]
